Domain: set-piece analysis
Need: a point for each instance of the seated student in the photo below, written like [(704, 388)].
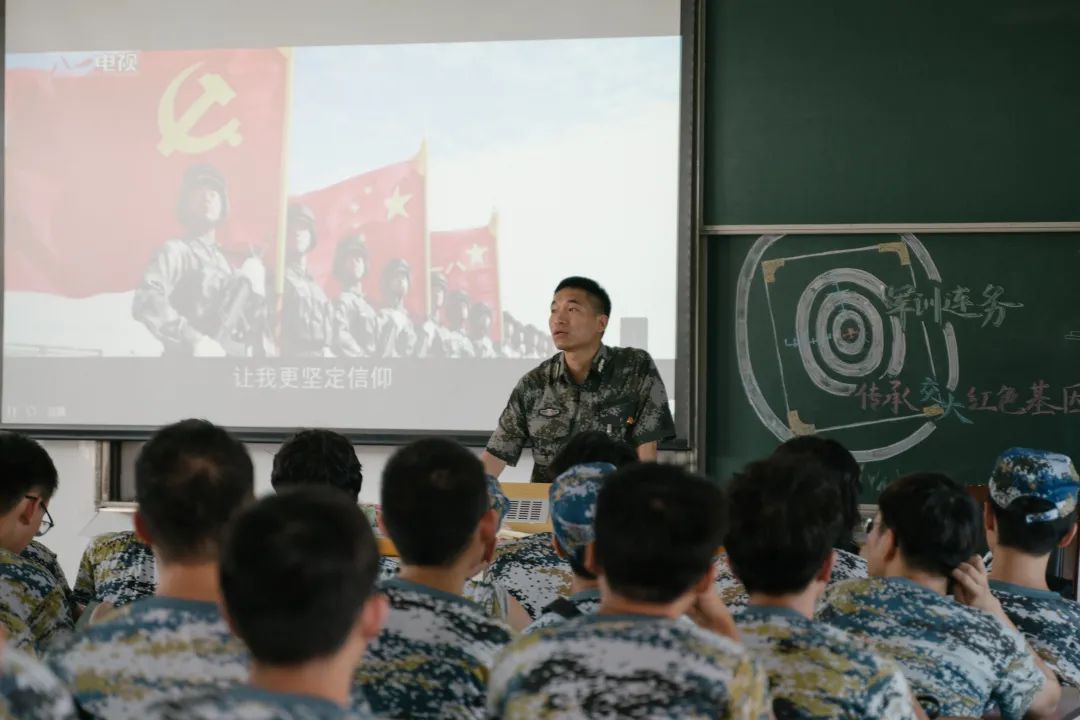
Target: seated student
[(845, 474), (305, 623), (573, 510), (657, 530), (961, 658), (1032, 510), (529, 568), (785, 518), (28, 691), (190, 480), (432, 658), (33, 605), (46, 559), (116, 568)]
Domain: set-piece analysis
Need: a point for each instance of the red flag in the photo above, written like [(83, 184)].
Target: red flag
[(388, 207), (95, 160), (470, 260)]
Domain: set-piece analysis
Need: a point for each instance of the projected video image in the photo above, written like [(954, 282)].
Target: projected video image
[(374, 211)]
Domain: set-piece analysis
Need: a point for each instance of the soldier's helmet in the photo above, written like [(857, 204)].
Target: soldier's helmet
[(202, 175), (396, 268), (300, 215), (439, 281), (350, 248)]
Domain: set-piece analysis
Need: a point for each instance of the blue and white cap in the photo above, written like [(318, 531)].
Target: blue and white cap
[(1023, 473)]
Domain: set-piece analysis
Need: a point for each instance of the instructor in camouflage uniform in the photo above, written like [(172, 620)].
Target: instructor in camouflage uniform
[(587, 386)]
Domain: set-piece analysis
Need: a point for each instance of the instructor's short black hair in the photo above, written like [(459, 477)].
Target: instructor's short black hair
[(601, 301), (296, 570), (936, 523), (318, 457), (433, 496), (658, 529)]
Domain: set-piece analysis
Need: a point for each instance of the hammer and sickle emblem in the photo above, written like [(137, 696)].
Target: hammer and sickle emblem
[(176, 131)]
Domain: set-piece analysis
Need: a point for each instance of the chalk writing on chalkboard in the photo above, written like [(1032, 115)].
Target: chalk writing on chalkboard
[(837, 339)]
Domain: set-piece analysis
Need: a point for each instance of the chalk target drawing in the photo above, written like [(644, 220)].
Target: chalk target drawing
[(844, 339)]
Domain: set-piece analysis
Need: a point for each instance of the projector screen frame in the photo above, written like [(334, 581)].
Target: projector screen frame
[(690, 306)]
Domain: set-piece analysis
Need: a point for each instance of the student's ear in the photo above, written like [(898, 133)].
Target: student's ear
[(590, 559), (824, 573), (487, 530), (141, 531), (28, 509), (557, 547), (989, 519), (373, 616), (602, 321), (1069, 537), (891, 547)]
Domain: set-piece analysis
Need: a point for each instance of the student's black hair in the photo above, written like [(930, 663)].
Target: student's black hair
[(658, 529), (318, 457), (599, 296), (844, 471), (190, 480), (433, 496), (784, 519), (1037, 538), (935, 521), (296, 570), (25, 468), (588, 447)]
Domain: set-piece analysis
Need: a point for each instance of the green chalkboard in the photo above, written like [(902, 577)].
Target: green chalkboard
[(918, 352), (919, 111)]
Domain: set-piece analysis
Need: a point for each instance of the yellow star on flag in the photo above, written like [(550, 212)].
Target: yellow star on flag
[(476, 255), (395, 204)]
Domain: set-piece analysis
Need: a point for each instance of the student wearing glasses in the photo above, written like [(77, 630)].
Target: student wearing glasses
[(33, 603)]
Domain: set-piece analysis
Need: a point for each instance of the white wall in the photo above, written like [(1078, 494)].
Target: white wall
[(78, 519)]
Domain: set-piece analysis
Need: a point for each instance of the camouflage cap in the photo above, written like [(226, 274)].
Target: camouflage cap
[(573, 505), (499, 501), (1022, 473)]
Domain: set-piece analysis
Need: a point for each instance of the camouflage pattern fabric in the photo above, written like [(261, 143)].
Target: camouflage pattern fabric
[(116, 568), (606, 666), (397, 334), (432, 659), (28, 691), (244, 702), (532, 572), (585, 602), (1022, 473), (622, 396), (182, 293), (33, 605), (1049, 622), (306, 316), (848, 566), (151, 651), (817, 672), (961, 656), (355, 326), (47, 559)]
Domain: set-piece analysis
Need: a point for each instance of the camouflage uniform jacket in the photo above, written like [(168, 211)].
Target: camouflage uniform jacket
[(28, 691), (819, 672), (306, 316), (151, 651), (47, 559), (606, 666), (622, 396), (117, 568), (182, 293), (356, 326), (458, 345), (585, 602), (432, 659), (962, 657), (532, 572), (848, 566), (244, 702), (489, 595), (1050, 623), (397, 334), (33, 605)]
